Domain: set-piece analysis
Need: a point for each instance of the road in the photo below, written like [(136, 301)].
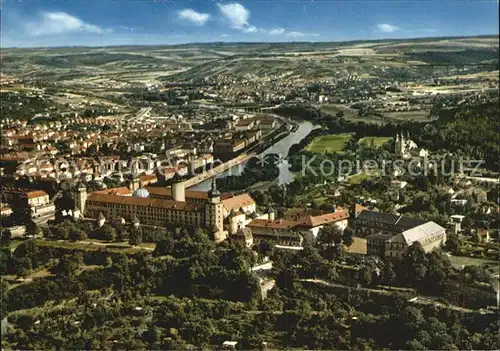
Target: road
[(143, 112), (484, 179), (97, 243)]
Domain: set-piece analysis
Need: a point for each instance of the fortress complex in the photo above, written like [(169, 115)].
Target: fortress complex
[(157, 206)]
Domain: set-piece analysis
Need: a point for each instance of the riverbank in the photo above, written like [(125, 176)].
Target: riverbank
[(280, 147), (226, 166)]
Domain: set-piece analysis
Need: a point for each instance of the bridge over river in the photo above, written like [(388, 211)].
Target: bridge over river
[(281, 148)]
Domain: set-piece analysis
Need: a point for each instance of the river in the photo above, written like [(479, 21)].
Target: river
[(281, 148)]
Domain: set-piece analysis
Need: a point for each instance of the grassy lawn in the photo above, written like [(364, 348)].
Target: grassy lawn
[(458, 261), (358, 178), (14, 243), (91, 246), (328, 143), (377, 141)]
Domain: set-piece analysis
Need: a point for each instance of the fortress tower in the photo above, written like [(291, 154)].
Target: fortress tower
[(178, 191), (214, 213)]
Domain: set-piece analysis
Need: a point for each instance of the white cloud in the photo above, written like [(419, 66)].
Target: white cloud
[(130, 29), (60, 22), (236, 13), (239, 16), (295, 34), (277, 31), (387, 28), (194, 17), (251, 29)]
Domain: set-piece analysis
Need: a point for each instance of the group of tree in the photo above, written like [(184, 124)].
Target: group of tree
[(257, 169)]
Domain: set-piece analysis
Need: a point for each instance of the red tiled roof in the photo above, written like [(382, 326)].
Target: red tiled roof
[(273, 224), (123, 191), (148, 177), (314, 221), (189, 194), (147, 202), (238, 201), (35, 194)]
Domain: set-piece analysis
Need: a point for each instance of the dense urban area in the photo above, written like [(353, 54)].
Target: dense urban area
[(251, 196)]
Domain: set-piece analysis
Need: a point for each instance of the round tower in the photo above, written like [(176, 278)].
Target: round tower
[(233, 223), (178, 191)]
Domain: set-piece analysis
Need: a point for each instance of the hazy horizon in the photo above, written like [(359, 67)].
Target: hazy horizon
[(51, 23)]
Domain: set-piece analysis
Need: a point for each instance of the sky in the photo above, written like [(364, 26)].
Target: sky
[(48, 23)]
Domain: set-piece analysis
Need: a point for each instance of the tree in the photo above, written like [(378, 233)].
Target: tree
[(310, 261), (412, 318), (329, 235), (348, 236), (6, 236), (135, 236), (453, 243), (76, 234), (265, 248), (61, 232), (415, 263), (5, 257), (108, 232), (69, 264), (32, 229), (164, 247), (366, 274), (388, 273)]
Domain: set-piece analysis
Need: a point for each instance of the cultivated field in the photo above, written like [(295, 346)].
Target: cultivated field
[(373, 140), (305, 60)]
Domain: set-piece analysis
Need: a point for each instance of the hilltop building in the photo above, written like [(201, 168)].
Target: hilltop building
[(389, 235), (34, 203), (157, 206), (299, 226)]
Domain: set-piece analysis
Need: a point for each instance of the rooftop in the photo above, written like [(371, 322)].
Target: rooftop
[(236, 202), (150, 202), (190, 194), (390, 219), (123, 191), (273, 224)]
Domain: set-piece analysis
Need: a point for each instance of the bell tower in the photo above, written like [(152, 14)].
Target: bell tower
[(399, 145), (214, 213)]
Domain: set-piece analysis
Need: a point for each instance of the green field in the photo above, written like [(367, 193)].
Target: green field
[(358, 178), (328, 143), (377, 141)]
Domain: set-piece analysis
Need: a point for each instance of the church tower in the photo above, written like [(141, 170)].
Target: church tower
[(399, 145), (214, 214), (80, 197)]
